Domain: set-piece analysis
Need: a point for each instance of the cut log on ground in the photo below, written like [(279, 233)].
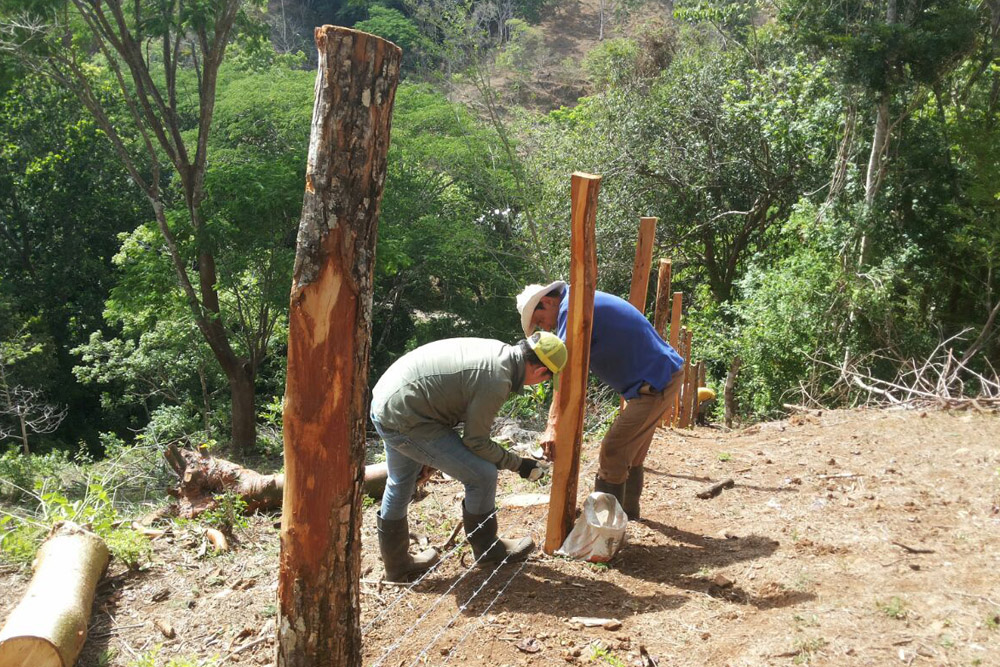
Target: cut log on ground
[(201, 477), (49, 626), (716, 489)]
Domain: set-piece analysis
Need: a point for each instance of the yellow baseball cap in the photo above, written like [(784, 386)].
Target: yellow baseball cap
[(549, 349)]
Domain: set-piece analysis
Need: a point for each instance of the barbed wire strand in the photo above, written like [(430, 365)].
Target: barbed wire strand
[(409, 588), (475, 626), (464, 606), (439, 599)]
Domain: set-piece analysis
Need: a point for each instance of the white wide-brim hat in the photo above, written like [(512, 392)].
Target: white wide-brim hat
[(528, 299)]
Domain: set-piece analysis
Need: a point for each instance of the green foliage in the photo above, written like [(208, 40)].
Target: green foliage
[(528, 403), (151, 658), (20, 474), (525, 50), (131, 548), (63, 198), (894, 608), (393, 25), (449, 251), (228, 514)]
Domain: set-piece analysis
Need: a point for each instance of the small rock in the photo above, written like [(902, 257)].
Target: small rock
[(722, 581), (528, 645)]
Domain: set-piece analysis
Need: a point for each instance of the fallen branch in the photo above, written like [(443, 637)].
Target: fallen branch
[(716, 489), (912, 550)]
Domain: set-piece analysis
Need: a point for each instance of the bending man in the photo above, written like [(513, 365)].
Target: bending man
[(415, 407), (628, 355)]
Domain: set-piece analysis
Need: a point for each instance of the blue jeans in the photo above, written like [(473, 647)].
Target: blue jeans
[(406, 454)]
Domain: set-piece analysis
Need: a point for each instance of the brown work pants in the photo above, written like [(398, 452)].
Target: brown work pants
[(627, 441)]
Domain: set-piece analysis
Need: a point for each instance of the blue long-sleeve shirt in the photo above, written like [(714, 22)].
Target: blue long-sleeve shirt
[(625, 350)]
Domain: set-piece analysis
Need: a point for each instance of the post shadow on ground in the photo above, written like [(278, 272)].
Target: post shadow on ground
[(676, 565)]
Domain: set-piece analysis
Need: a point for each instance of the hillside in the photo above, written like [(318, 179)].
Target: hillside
[(850, 537)]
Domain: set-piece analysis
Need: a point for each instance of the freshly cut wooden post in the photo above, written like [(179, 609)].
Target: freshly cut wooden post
[(670, 414), (49, 626), (662, 310), (679, 412), (675, 320), (640, 267), (570, 397), (328, 344), (642, 264), (690, 386)]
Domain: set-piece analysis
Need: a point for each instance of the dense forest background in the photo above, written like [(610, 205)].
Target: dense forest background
[(826, 178)]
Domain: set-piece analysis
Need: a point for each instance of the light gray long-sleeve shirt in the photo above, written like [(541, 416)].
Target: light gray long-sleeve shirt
[(448, 382)]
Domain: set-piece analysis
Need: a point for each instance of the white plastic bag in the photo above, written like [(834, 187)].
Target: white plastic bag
[(599, 532)]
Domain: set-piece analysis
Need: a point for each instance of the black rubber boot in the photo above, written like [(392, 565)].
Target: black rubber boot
[(481, 530), (394, 542), (617, 490), (633, 489)]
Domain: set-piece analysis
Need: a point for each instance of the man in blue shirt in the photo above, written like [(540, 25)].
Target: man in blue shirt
[(628, 355)]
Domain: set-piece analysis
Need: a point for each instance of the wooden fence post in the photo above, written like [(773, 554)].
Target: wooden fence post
[(570, 398), (642, 264), (661, 310), (670, 414), (328, 346)]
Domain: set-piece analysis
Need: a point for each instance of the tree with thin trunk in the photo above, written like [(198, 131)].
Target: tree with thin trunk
[(148, 51)]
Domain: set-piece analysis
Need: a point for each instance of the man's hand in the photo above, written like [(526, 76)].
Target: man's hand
[(532, 470), (548, 445)]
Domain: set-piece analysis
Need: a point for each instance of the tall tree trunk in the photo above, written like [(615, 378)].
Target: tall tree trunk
[(328, 347), (244, 424)]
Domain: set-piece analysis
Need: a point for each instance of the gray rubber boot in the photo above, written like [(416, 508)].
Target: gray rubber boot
[(394, 542), (481, 530), (617, 490), (633, 489)]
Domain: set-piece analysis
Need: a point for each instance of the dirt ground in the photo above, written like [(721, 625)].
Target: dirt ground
[(849, 538)]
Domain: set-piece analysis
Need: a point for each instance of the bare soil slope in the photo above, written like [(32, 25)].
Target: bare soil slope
[(849, 538)]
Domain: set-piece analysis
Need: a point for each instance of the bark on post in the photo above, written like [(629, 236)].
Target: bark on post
[(640, 267), (670, 414), (642, 264), (680, 414), (662, 309), (49, 626), (570, 397), (328, 347), (675, 320)]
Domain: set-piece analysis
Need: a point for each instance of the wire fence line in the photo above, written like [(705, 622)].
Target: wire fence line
[(410, 630), (408, 590), (475, 626)]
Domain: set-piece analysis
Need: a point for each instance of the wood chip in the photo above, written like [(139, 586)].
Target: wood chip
[(165, 628)]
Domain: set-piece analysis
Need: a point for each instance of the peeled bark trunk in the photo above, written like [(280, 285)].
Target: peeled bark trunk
[(49, 626), (329, 327)]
